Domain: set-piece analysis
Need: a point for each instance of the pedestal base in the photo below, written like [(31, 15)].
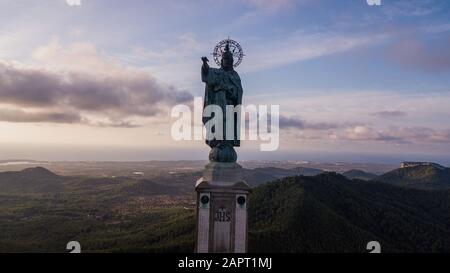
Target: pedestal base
[(222, 198)]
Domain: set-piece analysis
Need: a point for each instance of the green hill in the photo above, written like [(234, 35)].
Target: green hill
[(258, 176), (419, 177), (329, 213), (358, 174), (31, 180)]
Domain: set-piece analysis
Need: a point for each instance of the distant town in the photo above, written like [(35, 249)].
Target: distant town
[(409, 164)]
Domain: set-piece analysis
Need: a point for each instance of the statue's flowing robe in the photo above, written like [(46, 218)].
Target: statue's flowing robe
[(223, 88)]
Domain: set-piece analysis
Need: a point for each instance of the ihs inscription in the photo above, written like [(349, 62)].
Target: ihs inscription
[(222, 215)]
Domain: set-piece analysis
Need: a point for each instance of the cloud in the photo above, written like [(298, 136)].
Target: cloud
[(131, 94), (414, 52), (389, 114), (273, 5), (73, 2), (14, 115), (412, 8), (296, 123), (397, 135), (365, 117), (260, 11), (78, 80), (364, 133), (171, 60), (370, 134), (174, 61), (436, 28), (300, 47), (115, 124)]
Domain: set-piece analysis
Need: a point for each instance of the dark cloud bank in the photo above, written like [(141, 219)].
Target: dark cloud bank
[(69, 97)]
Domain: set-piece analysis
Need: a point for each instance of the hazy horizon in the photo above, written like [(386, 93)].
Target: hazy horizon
[(137, 155)]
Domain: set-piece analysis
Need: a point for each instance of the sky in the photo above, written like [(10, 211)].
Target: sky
[(97, 79)]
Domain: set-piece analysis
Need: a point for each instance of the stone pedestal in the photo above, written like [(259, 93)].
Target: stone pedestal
[(222, 198)]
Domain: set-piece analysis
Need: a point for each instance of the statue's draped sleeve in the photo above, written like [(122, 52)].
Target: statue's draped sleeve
[(237, 94), (210, 78), (210, 75)]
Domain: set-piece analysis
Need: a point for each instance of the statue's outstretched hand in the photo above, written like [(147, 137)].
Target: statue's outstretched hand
[(205, 67)]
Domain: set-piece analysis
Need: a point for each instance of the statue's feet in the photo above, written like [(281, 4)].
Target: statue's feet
[(223, 153)]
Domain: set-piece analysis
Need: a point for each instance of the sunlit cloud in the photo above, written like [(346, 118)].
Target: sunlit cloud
[(74, 2), (79, 79), (398, 135), (382, 117), (390, 114)]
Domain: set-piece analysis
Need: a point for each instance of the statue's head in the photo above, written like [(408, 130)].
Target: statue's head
[(227, 59)]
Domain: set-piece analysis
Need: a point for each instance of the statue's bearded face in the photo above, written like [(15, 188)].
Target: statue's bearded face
[(227, 62)]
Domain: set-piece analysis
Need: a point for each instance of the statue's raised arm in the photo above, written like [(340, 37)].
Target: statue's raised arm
[(205, 66)]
